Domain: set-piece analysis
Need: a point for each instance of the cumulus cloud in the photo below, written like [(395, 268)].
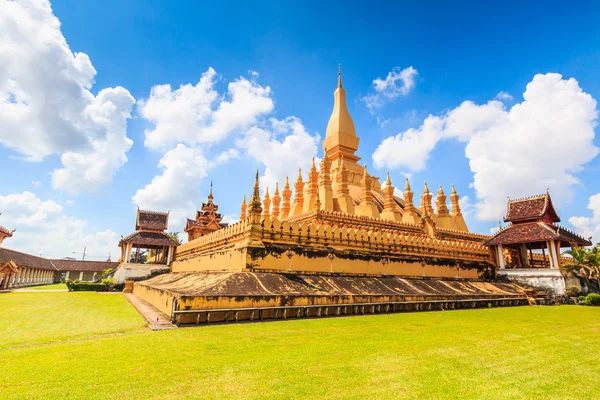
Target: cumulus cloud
[(43, 228), (47, 106), (539, 143), (282, 147), (196, 114), (397, 83), (589, 226), (176, 188)]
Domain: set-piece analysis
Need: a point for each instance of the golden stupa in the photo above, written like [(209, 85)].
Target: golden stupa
[(342, 228)]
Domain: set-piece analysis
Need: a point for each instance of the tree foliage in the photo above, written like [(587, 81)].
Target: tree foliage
[(586, 260)]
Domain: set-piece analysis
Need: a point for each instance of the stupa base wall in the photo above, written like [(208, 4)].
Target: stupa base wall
[(322, 259), (194, 298)]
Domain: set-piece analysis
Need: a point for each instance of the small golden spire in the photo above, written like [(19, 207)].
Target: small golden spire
[(276, 201), (267, 205), (426, 199), (388, 181), (243, 209), (440, 203), (255, 204), (339, 75), (287, 195), (317, 202), (408, 198), (454, 199)]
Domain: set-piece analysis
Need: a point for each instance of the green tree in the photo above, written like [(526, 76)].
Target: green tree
[(175, 237), (588, 259)]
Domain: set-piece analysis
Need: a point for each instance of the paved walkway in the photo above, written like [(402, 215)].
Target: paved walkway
[(157, 320)]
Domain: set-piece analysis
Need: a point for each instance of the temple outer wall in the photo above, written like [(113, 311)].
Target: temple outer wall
[(360, 263), (231, 259), (274, 259)]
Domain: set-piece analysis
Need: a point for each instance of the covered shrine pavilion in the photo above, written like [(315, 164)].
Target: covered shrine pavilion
[(528, 251), (150, 234), (207, 219), (532, 240)]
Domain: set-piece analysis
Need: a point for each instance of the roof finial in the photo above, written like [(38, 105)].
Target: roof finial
[(339, 75)]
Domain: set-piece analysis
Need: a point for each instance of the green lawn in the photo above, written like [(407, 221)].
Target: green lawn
[(56, 286), (505, 353)]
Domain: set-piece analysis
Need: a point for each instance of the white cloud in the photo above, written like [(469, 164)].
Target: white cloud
[(43, 228), (397, 83), (589, 226), (176, 189), (195, 114), (504, 96), (282, 149), (47, 106), (36, 183), (539, 143)]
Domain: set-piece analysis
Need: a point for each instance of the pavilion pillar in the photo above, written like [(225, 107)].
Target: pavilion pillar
[(524, 256), (169, 255), (500, 256), (552, 254), (128, 252)]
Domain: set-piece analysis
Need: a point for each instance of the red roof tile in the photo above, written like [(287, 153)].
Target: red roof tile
[(151, 220), (142, 239), (24, 260), (531, 208), (538, 231), (76, 265)]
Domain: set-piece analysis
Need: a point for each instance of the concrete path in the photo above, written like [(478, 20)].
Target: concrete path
[(157, 321)]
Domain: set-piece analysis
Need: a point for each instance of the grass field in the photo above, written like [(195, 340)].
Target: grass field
[(88, 345), (55, 286)]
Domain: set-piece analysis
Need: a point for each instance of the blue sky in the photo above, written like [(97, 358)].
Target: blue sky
[(462, 52)]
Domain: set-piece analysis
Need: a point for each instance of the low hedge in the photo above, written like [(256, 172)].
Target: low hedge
[(76, 286), (592, 299)]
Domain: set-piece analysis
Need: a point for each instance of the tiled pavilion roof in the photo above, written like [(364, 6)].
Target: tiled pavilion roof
[(537, 231), (531, 208)]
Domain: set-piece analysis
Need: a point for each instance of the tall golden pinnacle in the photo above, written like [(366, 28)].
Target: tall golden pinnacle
[(243, 209), (267, 202), (340, 136), (276, 201), (287, 195), (455, 202), (339, 75), (440, 203), (409, 206)]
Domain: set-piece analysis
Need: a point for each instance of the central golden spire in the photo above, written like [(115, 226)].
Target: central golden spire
[(340, 137)]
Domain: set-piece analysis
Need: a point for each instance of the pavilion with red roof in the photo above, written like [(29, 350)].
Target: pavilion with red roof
[(533, 230)]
